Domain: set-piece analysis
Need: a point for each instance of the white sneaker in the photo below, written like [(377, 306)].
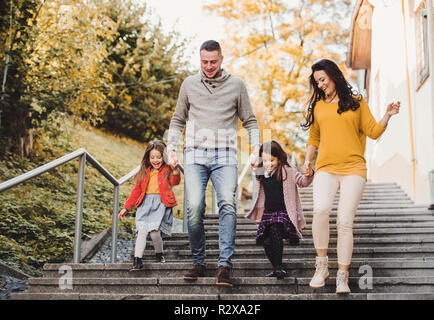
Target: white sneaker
[(321, 272), (342, 282)]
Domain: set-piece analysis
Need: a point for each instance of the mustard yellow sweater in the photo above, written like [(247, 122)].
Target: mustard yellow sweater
[(341, 138), (152, 187)]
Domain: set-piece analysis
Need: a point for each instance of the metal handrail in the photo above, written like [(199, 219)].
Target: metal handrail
[(83, 155)]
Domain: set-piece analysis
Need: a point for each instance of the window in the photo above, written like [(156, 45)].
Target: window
[(422, 55)]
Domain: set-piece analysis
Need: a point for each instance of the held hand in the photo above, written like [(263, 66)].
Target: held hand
[(172, 160), (254, 161), (393, 108), (122, 214), (306, 169)]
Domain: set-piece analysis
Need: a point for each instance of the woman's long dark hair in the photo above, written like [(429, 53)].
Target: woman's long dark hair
[(347, 99), (146, 163), (274, 148)]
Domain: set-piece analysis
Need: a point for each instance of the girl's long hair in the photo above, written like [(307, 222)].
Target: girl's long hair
[(146, 162), (275, 149), (347, 98)]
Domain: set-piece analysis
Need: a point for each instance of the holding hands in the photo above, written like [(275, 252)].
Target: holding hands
[(122, 214), (306, 169), (172, 159)]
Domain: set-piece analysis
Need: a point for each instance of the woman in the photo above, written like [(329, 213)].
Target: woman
[(339, 122)]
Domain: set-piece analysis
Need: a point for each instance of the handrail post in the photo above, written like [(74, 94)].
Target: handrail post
[(79, 209), (115, 223)]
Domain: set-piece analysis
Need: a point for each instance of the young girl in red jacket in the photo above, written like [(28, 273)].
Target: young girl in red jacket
[(153, 196), (277, 208)]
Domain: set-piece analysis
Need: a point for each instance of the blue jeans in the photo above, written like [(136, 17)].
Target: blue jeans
[(221, 166)]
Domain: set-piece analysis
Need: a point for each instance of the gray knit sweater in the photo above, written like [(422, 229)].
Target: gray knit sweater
[(209, 109)]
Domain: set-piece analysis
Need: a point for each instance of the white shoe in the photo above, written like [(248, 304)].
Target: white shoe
[(342, 282), (321, 272)]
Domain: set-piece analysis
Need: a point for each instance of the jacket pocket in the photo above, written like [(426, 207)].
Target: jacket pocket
[(170, 197)]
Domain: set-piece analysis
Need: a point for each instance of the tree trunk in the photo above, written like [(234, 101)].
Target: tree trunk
[(25, 138)]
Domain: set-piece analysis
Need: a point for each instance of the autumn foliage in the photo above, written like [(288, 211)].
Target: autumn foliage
[(272, 44), (101, 62)]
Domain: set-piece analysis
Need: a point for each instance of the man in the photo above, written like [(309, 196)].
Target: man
[(212, 101)]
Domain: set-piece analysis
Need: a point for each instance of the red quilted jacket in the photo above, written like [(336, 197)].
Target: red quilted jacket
[(166, 193)]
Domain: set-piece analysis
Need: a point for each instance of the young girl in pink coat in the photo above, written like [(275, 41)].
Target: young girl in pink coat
[(277, 208)]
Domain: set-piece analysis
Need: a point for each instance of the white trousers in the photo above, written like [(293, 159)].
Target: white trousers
[(325, 186)]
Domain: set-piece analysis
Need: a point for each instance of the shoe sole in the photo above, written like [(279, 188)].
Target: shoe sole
[(343, 292), (223, 284), (192, 278), (132, 270), (321, 285)]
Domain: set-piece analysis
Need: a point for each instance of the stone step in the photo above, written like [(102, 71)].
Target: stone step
[(309, 202), (373, 196), (374, 193), (366, 200), (223, 297), (356, 225), (368, 188), (371, 186), (203, 297), (330, 296), (393, 238), (257, 268), (383, 232), (307, 242), (206, 285), (308, 206), (333, 218), (111, 296), (370, 192), (291, 252), (392, 213)]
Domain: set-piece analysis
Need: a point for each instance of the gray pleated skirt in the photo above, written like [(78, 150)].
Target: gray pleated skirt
[(152, 215)]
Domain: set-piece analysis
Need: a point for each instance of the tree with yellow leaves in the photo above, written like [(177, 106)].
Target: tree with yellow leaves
[(52, 60), (100, 61), (272, 44)]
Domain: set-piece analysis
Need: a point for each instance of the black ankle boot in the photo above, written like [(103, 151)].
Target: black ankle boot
[(137, 265), (279, 273), (159, 257)]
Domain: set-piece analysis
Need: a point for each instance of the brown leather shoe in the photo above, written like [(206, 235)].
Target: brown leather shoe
[(223, 277), (197, 271)]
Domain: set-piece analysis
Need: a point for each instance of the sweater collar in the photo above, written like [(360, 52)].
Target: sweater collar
[(212, 84)]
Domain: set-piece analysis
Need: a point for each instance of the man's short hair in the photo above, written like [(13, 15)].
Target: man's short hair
[(211, 45)]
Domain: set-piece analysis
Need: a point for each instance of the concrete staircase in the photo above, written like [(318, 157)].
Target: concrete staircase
[(393, 259)]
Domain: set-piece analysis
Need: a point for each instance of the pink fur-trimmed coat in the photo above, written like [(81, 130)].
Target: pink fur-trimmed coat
[(291, 179)]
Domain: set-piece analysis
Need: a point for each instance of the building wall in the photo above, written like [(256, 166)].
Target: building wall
[(390, 157)]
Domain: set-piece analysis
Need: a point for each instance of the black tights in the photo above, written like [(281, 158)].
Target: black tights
[(273, 243)]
